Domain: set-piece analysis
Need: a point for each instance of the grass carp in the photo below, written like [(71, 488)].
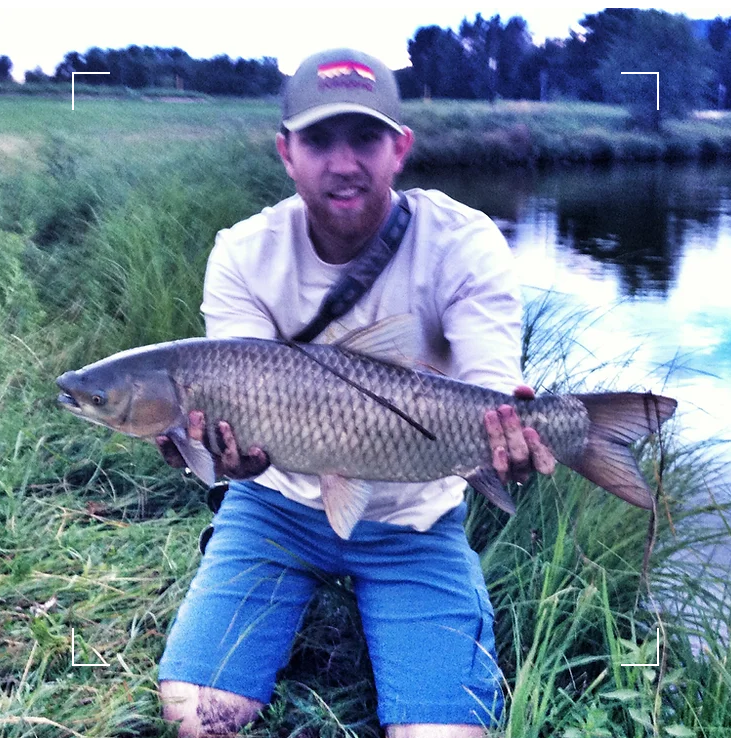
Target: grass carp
[(353, 411)]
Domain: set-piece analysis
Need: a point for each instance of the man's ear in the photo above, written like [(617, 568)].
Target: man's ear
[(282, 143), (402, 145)]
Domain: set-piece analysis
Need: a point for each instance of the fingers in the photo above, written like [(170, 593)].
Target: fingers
[(196, 426), (543, 460), (509, 449), (227, 457), (254, 463), (230, 457), (517, 448), (524, 392), (516, 451), (169, 451)]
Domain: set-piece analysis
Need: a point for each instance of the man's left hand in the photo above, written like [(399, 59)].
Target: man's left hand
[(516, 451)]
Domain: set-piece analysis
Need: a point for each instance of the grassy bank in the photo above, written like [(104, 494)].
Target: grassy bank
[(51, 89), (542, 134), (448, 133), (105, 225)]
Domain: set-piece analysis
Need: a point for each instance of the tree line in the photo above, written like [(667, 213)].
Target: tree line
[(486, 59), (141, 67)]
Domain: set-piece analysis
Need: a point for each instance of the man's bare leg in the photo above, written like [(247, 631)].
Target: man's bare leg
[(432, 730), (205, 712)]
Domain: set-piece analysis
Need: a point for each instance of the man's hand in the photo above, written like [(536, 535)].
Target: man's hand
[(231, 463), (516, 451)]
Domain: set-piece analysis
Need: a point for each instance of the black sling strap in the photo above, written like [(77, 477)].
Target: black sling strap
[(363, 272)]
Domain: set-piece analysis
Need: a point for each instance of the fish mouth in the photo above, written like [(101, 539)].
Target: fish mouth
[(64, 399)]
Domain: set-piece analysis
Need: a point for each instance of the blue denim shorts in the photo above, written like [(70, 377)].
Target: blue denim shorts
[(425, 610)]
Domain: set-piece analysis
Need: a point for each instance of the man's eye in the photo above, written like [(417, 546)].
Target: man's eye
[(368, 137), (317, 140)]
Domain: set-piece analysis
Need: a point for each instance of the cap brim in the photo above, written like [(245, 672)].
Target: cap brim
[(321, 112)]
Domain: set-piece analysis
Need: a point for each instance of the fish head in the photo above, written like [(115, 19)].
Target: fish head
[(139, 403)]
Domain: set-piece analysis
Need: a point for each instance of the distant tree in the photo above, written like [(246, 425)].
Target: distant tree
[(96, 61), (72, 62), (153, 66), (270, 76), (408, 85), (573, 72), (514, 51), (481, 42), (224, 76), (655, 41), (136, 68), (718, 33), (555, 79), (5, 66), (181, 68), (440, 63), (719, 40), (533, 79), (37, 75)]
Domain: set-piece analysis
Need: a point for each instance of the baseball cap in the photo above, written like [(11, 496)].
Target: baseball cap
[(340, 81)]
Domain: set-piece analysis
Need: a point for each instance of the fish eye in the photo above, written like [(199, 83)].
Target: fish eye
[(98, 399)]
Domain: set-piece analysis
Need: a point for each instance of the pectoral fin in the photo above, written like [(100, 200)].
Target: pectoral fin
[(484, 479), (195, 454), (345, 501)]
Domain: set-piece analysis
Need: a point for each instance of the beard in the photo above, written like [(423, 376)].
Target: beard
[(348, 211)]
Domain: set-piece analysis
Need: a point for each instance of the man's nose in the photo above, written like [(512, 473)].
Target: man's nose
[(343, 159)]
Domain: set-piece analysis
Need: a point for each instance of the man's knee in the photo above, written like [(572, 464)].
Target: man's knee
[(204, 712)]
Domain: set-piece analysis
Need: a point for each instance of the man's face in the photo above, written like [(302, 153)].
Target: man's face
[(343, 168)]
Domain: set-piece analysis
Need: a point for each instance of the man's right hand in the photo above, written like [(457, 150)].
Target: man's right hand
[(231, 463)]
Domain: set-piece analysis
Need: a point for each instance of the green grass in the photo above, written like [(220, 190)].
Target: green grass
[(105, 226), (531, 134), (114, 117)]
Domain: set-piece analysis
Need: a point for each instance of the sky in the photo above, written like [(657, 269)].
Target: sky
[(40, 33)]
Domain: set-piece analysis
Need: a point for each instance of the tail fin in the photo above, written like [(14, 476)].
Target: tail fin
[(618, 419)]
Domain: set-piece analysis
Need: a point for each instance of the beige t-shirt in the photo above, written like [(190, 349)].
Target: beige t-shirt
[(453, 272)]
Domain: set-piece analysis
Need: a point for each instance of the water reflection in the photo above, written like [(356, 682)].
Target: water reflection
[(634, 221), (622, 220)]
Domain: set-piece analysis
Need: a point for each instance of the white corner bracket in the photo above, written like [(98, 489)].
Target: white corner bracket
[(657, 654), (657, 74), (73, 654), (73, 74)]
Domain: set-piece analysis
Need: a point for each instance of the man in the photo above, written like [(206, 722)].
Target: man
[(423, 602)]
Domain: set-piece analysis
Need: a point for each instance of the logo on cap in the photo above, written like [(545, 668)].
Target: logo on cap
[(346, 74)]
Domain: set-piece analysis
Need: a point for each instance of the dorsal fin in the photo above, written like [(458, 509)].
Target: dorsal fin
[(393, 340)]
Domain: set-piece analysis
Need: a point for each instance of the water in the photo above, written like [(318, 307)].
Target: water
[(646, 249)]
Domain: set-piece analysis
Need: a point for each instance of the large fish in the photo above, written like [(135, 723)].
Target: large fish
[(353, 411)]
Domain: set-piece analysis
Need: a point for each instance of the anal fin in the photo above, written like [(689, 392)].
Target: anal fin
[(345, 501), (485, 480)]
